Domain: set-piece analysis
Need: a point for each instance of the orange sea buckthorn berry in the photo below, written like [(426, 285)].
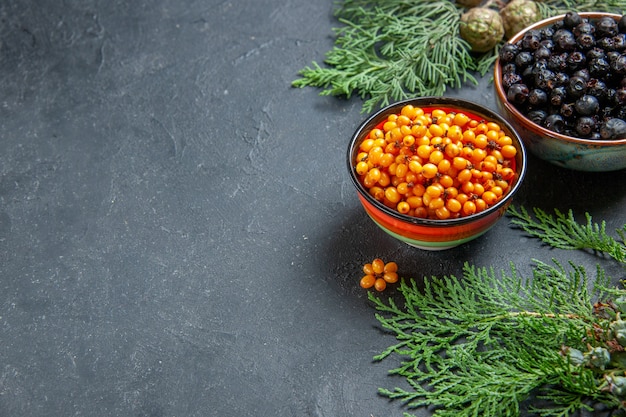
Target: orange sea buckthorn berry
[(403, 188), (403, 207), (421, 212), (376, 134), (366, 145), (489, 197), (423, 151), (464, 175), (468, 187), (386, 159), (505, 140), (415, 167), (394, 135), (408, 140), (406, 129), (401, 170), (481, 205), (446, 181), (418, 130), (460, 163), (436, 156), (391, 267), (452, 150), (478, 154), (479, 189), (403, 120), (414, 202), (380, 284), (378, 266), (436, 203), (455, 133), (442, 213), (508, 151), (434, 191), (468, 136), (488, 166), (390, 277), (460, 119), (409, 111), (493, 135), (494, 126), (451, 192), (392, 194), (385, 179), (481, 128), (444, 166), (481, 141), (453, 205), (362, 168), (377, 192), (419, 190), (367, 281), (412, 177), (429, 170), (497, 190), (436, 130), (469, 208), (438, 113)]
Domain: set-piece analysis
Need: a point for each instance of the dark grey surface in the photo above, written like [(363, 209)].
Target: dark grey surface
[(178, 233)]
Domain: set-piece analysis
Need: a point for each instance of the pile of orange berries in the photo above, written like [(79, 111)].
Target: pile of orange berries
[(378, 274), (436, 164)]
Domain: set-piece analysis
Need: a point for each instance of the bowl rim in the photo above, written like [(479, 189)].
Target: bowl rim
[(434, 102), (526, 122)]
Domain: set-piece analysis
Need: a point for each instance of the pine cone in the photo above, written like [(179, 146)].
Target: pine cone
[(469, 3), (482, 28), (519, 14)]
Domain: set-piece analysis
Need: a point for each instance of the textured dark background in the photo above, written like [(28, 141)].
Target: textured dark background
[(178, 233)]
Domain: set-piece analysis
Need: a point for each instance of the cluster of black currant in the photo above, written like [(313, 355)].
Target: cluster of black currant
[(570, 77)]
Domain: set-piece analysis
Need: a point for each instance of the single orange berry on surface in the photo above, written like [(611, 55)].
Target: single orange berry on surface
[(391, 267), (378, 265), (380, 284), (390, 277), (367, 281)]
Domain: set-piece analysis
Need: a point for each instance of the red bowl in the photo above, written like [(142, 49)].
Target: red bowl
[(433, 234)]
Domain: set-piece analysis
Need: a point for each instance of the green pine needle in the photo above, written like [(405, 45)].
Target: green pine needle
[(562, 231)]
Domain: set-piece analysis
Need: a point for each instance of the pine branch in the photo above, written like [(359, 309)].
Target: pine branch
[(481, 344), (390, 50), (564, 232)]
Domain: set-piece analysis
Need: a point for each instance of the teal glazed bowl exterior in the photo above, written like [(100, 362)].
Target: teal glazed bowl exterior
[(561, 150), (432, 234)]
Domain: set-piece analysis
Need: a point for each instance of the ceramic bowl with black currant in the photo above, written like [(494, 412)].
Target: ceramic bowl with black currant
[(561, 83)]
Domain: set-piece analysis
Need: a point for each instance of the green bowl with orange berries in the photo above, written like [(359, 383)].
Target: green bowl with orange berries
[(436, 172)]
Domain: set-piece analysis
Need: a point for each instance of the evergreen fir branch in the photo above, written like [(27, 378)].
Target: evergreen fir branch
[(402, 48), (564, 232), (481, 344)]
